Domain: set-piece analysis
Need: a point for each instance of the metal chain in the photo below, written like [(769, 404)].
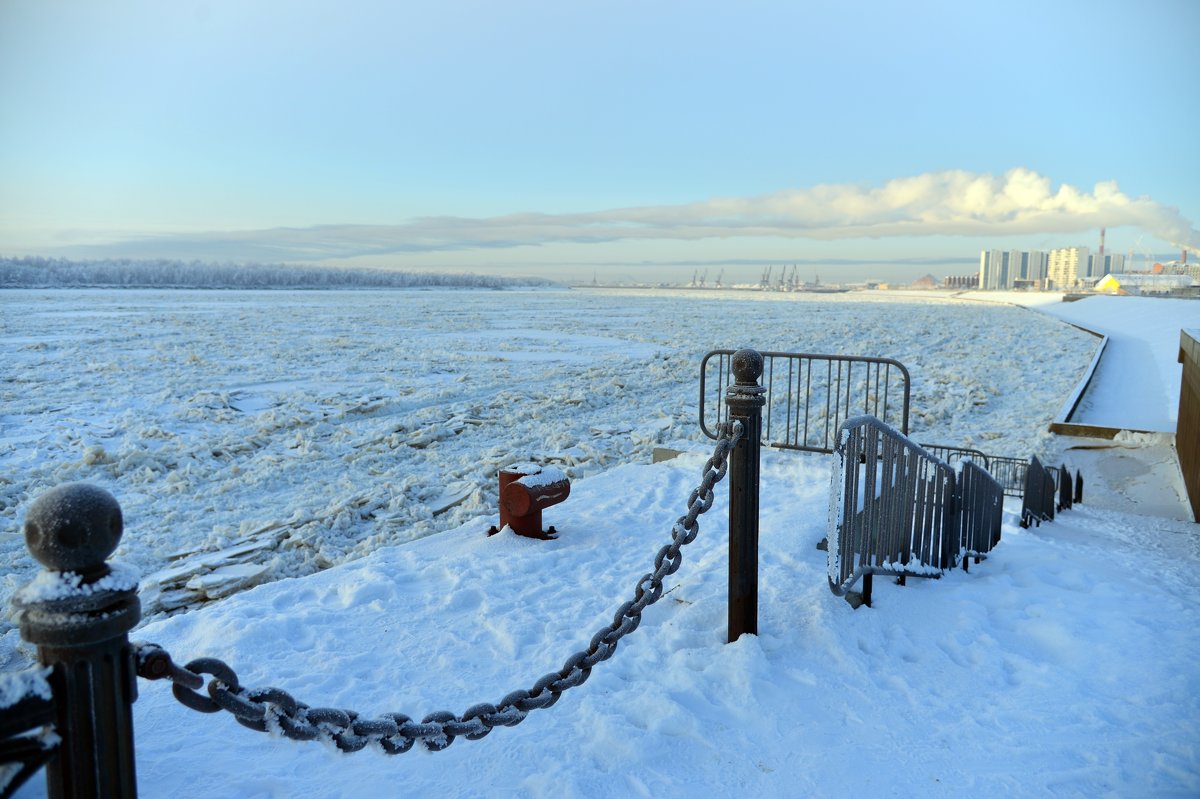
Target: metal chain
[(275, 710)]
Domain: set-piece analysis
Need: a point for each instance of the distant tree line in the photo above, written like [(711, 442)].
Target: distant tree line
[(39, 272)]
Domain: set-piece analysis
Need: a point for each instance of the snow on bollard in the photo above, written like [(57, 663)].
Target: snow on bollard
[(79, 612), (527, 489)]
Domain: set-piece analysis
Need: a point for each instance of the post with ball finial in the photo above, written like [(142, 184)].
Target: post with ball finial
[(79, 612), (745, 401)]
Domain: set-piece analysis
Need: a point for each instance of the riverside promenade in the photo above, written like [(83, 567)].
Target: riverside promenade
[(1134, 390)]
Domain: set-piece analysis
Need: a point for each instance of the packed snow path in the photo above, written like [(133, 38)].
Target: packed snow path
[(1136, 384), (1062, 665)]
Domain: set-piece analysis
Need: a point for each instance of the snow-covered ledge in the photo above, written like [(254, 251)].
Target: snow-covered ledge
[(1062, 424)]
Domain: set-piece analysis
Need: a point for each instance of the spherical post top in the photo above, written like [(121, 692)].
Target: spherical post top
[(747, 366), (74, 527)]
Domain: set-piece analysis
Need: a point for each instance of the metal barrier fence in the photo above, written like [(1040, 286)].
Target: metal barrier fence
[(1063, 485), (1038, 503), (897, 509), (1009, 473), (1068, 487), (892, 508), (980, 512), (808, 397), (956, 455)]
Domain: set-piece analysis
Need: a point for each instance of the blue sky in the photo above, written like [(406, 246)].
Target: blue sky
[(632, 140)]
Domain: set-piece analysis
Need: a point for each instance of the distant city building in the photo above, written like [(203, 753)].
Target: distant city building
[(999, 269), (993, 269), (1192, 270), (1142, 283), (1062, 269), (1013, 263), (1067, 267), (1111, 263), (961, 281), (1035, 267)]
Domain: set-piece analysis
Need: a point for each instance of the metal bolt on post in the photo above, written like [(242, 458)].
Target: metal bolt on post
[(745, 401), (78, 614)]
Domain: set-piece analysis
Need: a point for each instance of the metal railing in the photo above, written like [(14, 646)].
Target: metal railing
[(956, 455), (898, 509), (1038, 503), (808, 397), (1009, 473), (980, 512), (891, 510), (1063, 484), (1068, 487)]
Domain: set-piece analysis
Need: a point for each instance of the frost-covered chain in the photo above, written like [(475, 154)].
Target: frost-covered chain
[(275, 710)]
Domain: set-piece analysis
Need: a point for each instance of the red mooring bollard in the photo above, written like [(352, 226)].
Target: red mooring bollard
[(527, 489)]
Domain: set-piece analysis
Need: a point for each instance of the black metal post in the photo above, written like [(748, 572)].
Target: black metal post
[(745, 401), (1032, 503), (1048, 494), (1064, 488), (79, 617)]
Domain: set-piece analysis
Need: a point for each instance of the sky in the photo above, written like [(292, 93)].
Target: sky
[(588, 140)]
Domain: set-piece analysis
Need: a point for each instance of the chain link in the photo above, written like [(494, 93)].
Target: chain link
[(275, 710)]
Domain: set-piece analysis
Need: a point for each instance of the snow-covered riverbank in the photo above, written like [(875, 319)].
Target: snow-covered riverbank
[(305, 429), (358, 434)]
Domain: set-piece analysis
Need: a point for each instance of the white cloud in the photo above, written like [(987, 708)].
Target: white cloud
[(933, 204)]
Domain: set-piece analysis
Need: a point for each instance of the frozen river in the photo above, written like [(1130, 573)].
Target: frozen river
[(289, 431)]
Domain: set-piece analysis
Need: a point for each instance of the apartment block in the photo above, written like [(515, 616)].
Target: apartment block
[(1067, 267), (1001, 269)]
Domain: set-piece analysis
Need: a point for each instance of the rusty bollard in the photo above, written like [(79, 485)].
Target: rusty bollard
[(79, 612), (527, 489)]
